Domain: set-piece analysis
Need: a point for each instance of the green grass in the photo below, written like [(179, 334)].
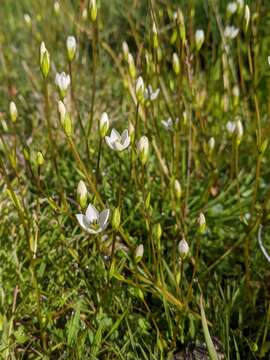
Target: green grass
[(67, 294)]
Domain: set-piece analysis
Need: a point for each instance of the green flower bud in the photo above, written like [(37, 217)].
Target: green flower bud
[(103, 125), (131, 66), (13, 111), (176, 64), (139, 89), (199, 39), (246, 18), (39, 158), (202, 223), (71, 47), (139, 253), (183, 249), (177, 189), (44, 60), (116, 218), (143, 149), (82, 194), (65, 118), (93, 10)]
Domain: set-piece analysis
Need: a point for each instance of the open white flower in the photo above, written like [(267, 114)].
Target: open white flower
[(93, 222), (150, 94), (62, 81), (118, 142), (167, 124), (231, 32)]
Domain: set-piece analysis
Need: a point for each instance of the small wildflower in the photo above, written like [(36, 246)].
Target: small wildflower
[(103, 125), (118, 142), (44, 60), (13, 112), (82, 194), (199, 39), (93, 222), (143, 149), (62, 81), (183, 249), (150, 94), (167, 124), (139, 253), (231, 32), (231, 8), (71, 47)]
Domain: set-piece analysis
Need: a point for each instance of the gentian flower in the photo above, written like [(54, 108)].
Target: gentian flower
[(93, 222), (116, 141)]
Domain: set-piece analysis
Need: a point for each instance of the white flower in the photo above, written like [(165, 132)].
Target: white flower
[(183, 248), (199, 39), (62, 81), (169, 123), (231, 32), (71, 47), (231, 8), (93, 222), (116, 141), (230, 126), (150, 94)]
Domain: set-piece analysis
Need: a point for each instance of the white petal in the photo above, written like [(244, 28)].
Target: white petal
[(115, 135), (109, 142), (118, 146), (103, 218), (154, 95), (80, 218), (126, 142), (91, 213), (124, 136)]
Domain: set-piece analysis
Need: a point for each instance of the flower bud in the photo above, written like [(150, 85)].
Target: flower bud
[(139, 253), (27, 20), (177, 189), (155, 36), (39, 158), (263, 146), (103, 125), (211, 145), (65, 118), (139, 89), (157, 231), (131, 66), (125, 49), (82, 194), (239, 131), (199, 39), (44, 60), (13, 112), (183, 249), (246, 18), (147, 200), (84, 14), (56, 7), (181, 24), (71, 47), (143, 149), (116, 218), (93, 10), (230, 126), (176, 64), (202, 223)]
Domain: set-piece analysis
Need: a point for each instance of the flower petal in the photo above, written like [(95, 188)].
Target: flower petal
[(92, 213), (80, 218), (103, 218), (115, 135), (109, 142), (126, 142)]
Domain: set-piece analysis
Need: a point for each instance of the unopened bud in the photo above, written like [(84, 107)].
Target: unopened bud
[(103, 125), (239, 131), (176, 64), (125, 49), (93, 10), (139, 253), (202, 223), (211, 145), (157, 231), (71, 47), (131, 66), (139, 89), (65, 118), (82, 194), (143, 149), (181, 25), (246, 18), (116, 218), (263, 146), (147, 201), (155, 36), (39, 158), (44, 60), (13, 112), (177, 189), (131, 131), (183, 248), (199, 39), (27, 20), (56, 7)]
